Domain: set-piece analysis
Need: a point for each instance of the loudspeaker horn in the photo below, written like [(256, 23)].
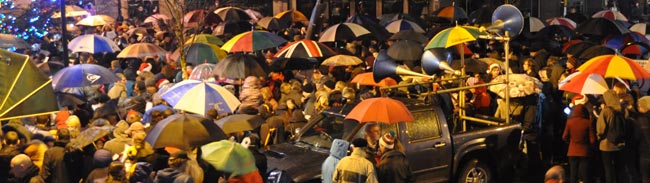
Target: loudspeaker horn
[(435, 61), (385, 67), (507, 18)]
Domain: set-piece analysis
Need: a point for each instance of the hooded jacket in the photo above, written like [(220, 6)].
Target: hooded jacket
[(605, 119), (55, 168), (355, 168), (393, 167), (578, 132), (338, 151), (171, 175)]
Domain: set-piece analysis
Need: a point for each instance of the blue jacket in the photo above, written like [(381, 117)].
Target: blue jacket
[(338, 150)]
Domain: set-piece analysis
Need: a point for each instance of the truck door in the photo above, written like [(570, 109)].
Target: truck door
[(428, 146)]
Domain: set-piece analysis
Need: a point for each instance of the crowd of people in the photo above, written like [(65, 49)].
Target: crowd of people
[(603, 139)]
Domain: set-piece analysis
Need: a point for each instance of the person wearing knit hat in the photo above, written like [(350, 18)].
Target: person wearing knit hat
[(393, 165), (161, 82), (355, 166), (101, 161)]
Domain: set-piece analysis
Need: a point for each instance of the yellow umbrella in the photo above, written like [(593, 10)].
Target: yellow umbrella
[(290, 16), (453, 36), (342, 60), (611, 66), (205, 38)]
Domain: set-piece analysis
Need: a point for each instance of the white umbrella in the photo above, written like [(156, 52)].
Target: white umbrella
[(72, 11), (584, 83), (201, 96), (95, 20), (92, 43)]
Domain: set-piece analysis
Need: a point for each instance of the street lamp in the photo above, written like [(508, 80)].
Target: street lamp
[(64, 32)]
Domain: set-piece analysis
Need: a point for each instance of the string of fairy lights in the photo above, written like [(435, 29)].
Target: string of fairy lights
[(31, 23)]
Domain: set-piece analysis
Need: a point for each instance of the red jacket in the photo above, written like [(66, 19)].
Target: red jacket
[(578, 132)]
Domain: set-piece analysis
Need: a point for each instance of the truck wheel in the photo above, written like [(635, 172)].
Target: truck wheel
[(475, 171)]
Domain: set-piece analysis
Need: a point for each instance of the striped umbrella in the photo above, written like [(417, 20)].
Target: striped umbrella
[(204, 38), (92, 43), (533, 24), (401, 24), (139, 50), (452, 13), (232, 14), (253, 41), (305, 49), (343, 31), (562, 21), (642, 28), (610, 14), (271, 23), (201, 96), (611, 66), (290, 16), (453, 36), (618, 41), (584, 83), (370, 23), (199, 53), (193, 18)]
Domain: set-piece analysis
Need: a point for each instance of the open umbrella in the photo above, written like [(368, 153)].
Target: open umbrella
[(366, 79), (642, 28), (384, 19), (24, 90), (370, 23), (453, 36), (406, 50), (71, 11), (577, 48), (67, 99), (205, 38), (290, 16), (201, 96), (193, 18), (610, 14), (184, 131), (281, 64), (401, 24), (139, 50), (618, 41), (155, 19), (232, 28), (342, 60), (343, 31), (229, 156), (637, 50), (239, 123), (601, 27), (93, 21), (410, 35), (83, 75), (202, 72), (533, 24), (232, 14), (239, 66), (595, 51), (562, 21), (252, 41), (584, 83), (305, 49), (452, 13), (9, 41), (382, 109), (270, 23), (482, 15), (554, 32), (610, 66), (88, 136), (255, 15), (92, 43), (199, 53), (137, 30), (521, 85)]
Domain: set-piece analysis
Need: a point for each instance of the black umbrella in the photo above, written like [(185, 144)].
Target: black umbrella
[(578, 48), (554, 32), (89, 136), (67, 99), (370, 23), (270, 23), (405, 50), (239, 66), (240, 123), (184, 131), (601, 27), (595, 51), (281, 64), (387, 18), (233, 28), (410, 35), (481, 15)]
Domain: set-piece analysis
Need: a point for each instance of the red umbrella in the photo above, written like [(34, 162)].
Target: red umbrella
[(562, 21), (305, 49), (366, 79), (385, 110), (192, 18)]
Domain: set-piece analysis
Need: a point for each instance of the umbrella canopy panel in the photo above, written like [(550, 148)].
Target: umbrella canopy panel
[(239, 66), (83, 75), (184, 131)]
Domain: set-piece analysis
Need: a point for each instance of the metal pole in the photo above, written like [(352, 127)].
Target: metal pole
[(461, 93), (507, 66), (312, 20), (64, 32)]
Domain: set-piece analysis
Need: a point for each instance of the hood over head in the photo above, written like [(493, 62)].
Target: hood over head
[(339, 148)]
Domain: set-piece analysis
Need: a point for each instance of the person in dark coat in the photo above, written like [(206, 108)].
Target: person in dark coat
[(24, 170), (175, 173), (55, 169), (101, 160), (8, 149), (642, 135), (393, 166), (579, 134)]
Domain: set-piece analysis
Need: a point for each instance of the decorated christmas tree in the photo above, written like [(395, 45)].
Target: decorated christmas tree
[(27, 19)]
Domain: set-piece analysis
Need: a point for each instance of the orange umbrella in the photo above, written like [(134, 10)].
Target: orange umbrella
[(366, 79), (385, 110), (610, 66), (290, 16)]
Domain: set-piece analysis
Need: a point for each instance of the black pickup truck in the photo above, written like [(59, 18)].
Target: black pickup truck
[(435, 151)]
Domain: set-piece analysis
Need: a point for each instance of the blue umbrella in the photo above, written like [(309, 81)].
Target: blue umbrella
[(201, 96), (82, 75), (91, 43)]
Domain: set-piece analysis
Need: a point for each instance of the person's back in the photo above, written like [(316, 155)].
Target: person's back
[(338, 151), (55, 168), (355, 168)]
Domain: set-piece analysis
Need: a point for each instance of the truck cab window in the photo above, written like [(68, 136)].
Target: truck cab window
[(425, 126)]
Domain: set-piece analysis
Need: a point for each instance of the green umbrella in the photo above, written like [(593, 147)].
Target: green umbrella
[(198, 53), (205, 38), (229, 156), (453, 36), (24, 89)]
